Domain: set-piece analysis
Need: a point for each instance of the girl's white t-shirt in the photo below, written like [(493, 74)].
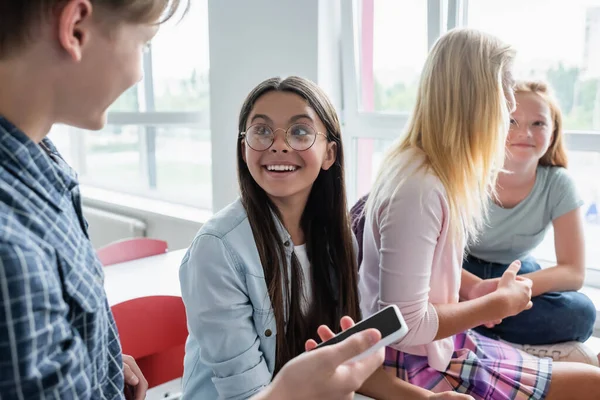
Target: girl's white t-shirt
[(302, 255)]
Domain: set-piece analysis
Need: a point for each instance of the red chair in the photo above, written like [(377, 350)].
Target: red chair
[(153, 330), (131, 249)]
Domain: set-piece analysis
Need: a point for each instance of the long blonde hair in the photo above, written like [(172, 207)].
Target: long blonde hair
[(556, 155), (459, 124)]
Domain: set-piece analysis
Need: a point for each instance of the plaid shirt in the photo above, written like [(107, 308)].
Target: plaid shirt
[(58, 339)]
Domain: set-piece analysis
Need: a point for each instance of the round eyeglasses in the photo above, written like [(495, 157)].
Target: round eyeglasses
[(299, 137)]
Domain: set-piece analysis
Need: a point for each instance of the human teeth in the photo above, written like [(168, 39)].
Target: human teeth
[(281, 167)]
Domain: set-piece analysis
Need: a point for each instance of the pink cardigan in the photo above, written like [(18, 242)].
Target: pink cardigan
[(410, 260)]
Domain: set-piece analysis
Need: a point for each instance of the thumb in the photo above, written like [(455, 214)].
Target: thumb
[(353, 346), (511, 272)]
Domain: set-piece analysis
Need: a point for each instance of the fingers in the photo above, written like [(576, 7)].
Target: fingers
[(325, 333), (354, 345), (310, 345), (529, 284), (130, 377), (141, 384), (512, 270), (346, 323), (493, 323), (140, 391), (510, 274)]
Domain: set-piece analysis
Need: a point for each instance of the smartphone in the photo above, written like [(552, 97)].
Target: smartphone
[(388, 321)]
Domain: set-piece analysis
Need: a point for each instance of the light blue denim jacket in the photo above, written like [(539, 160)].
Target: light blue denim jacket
[(230, 352)]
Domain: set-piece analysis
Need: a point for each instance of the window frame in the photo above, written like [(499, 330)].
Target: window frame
[(147, 119), (442, 15)]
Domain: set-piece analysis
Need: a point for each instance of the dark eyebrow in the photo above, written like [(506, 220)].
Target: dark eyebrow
[(300, 116), (263, 116)]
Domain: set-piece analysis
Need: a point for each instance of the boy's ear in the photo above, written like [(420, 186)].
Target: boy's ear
[(74, 22)]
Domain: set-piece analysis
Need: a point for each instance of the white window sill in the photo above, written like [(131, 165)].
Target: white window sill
[(94, 195)]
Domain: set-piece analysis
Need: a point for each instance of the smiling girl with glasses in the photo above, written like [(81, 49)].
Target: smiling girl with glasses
[(264, 273)]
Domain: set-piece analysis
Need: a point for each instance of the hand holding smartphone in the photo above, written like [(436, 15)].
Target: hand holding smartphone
[(388, 322)]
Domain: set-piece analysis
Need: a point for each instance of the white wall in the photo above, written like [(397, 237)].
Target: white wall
[(254, 40)]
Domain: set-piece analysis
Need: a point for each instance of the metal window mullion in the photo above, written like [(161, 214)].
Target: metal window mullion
[(351, 83), (453, 19), (148, 132), (435, 21), (464, 10), (596, 117)]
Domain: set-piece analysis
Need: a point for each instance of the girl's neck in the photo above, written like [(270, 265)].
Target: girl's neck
[(517, 176), (291, 210)]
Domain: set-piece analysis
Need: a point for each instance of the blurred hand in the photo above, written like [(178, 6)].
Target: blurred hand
[(515, 291), (134, 378), (325, 373)]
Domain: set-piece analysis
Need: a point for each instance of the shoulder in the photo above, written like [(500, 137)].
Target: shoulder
[(13, 229), (410, 176), (414, 190), (558, 182), (555, 176), (419, 185), (21, 261), (222, 240), (225, 221)]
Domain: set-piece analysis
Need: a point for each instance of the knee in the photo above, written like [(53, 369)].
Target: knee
[(587, 308), (583, 310)]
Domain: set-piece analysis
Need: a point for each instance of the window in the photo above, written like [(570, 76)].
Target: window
[(384, 45), (561, 44), (555, 40), (180, 64), (393, 52), (157, 141)]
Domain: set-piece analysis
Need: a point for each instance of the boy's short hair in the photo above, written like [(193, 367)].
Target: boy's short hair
[(19, 18)]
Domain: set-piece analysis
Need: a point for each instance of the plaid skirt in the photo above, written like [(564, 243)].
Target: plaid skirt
[(481, 367)]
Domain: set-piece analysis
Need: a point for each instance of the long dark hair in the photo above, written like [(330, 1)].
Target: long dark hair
[(326, 226)]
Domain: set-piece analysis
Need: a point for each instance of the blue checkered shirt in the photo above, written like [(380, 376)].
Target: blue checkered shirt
[(58, 339)]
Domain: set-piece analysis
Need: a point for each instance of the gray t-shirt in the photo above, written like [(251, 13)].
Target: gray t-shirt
[(512, 233)]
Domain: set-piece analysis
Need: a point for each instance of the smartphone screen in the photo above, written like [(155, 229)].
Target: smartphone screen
[(385, 321)]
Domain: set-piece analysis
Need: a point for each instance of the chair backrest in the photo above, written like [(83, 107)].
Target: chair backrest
[(130, 249), (153, 330), (357, 217)]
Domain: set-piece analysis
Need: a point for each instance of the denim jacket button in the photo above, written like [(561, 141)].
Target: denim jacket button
[(287, 243), (268, 333)]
